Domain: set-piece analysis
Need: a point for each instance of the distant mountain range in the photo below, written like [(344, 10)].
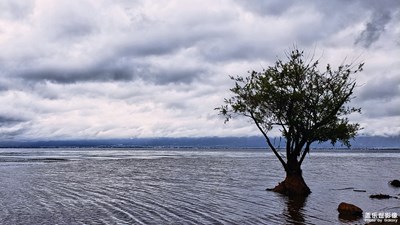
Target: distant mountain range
[(374, 142)]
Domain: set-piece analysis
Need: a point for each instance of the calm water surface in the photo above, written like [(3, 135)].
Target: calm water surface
[(131, 186)]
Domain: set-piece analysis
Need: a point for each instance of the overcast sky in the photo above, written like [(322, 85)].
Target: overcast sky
[(122, 68)]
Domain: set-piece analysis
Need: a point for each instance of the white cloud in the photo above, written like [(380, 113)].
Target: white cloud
[(109, 69)]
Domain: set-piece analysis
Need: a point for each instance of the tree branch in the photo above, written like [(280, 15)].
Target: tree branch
[(335, 110), (306, 150), (269, 141)]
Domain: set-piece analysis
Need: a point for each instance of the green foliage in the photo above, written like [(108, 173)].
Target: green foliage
[(306, 104)]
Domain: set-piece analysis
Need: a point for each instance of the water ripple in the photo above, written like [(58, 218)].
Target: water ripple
[(172, 187)]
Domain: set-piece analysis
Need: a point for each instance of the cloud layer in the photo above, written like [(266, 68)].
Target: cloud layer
[(119, 69)]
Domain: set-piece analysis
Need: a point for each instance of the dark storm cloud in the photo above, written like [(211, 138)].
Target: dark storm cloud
[(382, 13), (148, 49), (232, 48), (336, 15), (163, 76), (152, 46), (71, 75), (379, 108), (126, 57), (380, 97), (9, 120), (10, 126), (9, 135), (381, 88), (121, 70), (373, 29), (263, 8)]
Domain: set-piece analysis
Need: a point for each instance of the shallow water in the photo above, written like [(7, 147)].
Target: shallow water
[(161, 186)]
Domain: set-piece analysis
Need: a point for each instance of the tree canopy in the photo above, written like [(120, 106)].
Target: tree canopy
[(307, 105)]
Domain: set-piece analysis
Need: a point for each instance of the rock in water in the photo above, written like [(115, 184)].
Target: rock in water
[(395, 183), (349, 210), (380, 196)]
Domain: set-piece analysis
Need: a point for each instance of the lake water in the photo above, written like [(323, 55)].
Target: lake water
[(161, 186)]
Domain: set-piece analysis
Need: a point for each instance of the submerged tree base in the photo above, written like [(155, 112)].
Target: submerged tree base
[(292, 186)]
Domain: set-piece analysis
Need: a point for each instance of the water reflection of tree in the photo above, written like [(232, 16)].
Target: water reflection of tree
[(294, 210)]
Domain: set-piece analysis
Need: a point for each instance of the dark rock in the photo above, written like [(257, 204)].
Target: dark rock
[(380, 196), (349, 211), (395, 183)]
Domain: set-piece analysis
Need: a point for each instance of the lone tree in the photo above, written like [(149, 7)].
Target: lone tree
[(305, 104)]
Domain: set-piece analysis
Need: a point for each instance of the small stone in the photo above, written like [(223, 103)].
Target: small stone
[(347, 209), (380, 196), (395, 183)]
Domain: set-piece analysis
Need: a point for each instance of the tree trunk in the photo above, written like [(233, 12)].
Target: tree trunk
[(294, 183)]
